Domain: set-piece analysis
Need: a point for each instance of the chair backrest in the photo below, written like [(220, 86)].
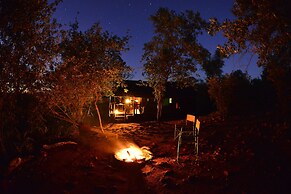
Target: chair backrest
[(190, 118), (197, 125)]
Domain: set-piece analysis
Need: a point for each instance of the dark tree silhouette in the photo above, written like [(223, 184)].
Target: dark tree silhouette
[(213, 66), (263, 27), (174, 52), (28, 46), (231, 93)]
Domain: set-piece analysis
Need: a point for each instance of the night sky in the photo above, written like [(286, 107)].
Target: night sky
[(120, 17)]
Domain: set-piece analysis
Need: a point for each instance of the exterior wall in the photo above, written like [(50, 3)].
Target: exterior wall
[(123, 107)]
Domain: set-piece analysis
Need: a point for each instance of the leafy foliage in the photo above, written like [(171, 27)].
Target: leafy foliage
[(173, 53), (90, 68), (28, 44), (22, 124), (231, 93), (262, 27), (237, 94), (44, 70), (213, 65)]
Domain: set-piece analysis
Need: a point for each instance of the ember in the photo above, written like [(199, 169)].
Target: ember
[(133, 154)]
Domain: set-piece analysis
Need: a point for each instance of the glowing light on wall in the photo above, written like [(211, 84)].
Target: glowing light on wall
[(118, 112)]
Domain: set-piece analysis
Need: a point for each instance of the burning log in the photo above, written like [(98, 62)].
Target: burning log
[(47, 147)]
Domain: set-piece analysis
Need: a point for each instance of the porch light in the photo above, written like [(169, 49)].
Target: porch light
[(127, 101), (117, 112)]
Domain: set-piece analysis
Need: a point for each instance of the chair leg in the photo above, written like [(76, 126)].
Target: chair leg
[(179, 144), (197, 147), (196, 142)]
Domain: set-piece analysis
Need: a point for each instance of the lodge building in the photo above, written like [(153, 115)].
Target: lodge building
[(135, 100)]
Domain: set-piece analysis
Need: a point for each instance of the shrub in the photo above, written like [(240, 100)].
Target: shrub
[(231, 93), (22, 125)]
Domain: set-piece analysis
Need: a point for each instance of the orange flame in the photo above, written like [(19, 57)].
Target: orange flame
[(133, 153)]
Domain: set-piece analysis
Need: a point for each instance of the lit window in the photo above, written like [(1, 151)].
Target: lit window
[(170, 100)]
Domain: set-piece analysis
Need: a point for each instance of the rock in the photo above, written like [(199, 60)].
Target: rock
[(170, 173), (100, 189), (169, 183), (92, 165), (15, 163), (192, 179), (116, 179), (70, 185), (147, 169), (112, 189), (165, 165)]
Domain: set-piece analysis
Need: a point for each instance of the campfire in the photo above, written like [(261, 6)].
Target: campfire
[(133, 153)]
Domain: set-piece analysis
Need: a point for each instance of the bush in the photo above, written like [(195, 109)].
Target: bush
[(236, 94), (22, 125), (231, 93)]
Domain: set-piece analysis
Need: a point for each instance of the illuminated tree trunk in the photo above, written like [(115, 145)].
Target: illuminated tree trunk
[(159, 90), (80, 115), (159, 109), (99, 115)]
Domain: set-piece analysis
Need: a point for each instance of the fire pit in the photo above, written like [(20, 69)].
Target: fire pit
[(133, 153)]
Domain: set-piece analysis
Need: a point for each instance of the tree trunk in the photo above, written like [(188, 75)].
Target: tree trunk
[(159, 110), (80, 114), (99, 116)]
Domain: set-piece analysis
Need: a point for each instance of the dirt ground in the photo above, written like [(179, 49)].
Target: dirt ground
[(249, 156)]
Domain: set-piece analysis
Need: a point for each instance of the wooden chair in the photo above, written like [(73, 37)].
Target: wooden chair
[(191, 127), (196, 136), (188, 126)]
